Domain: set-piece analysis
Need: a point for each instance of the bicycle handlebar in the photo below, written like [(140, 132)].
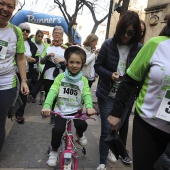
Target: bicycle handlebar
[(80, 115)]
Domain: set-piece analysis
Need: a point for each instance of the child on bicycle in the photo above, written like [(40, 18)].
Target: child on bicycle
[(72, 91)]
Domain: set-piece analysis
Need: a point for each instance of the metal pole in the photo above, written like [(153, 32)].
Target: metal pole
[(109, 18), (73, 36)]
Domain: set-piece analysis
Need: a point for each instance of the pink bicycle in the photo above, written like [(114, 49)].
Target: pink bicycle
[(68, 157)]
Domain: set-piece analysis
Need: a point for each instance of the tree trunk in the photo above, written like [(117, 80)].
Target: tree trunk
[(94, 28), (70, 37), (125, 6)]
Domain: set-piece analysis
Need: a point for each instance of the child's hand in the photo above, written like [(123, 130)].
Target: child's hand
[(91, 111), (45, 112)]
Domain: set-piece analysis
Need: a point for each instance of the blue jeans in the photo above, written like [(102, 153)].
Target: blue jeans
[(105, 108)]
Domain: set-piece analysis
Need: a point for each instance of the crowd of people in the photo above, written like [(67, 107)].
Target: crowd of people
[(129, 72)]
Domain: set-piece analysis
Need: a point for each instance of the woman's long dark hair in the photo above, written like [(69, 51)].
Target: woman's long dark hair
[(126, 19), (166, 29)]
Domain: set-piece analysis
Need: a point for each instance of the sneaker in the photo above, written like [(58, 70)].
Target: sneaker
[(53, 158), (111, 157), (83, 140), (101, 167), (34, 100), (20, 120), (126, 158), (41, 102), (29, 99)]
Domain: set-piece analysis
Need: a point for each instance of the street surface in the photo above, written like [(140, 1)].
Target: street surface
[(26, 145)]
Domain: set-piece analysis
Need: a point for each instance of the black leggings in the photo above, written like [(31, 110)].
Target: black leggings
[(148, 144), (20, 111), (6, 99), (59, 129)]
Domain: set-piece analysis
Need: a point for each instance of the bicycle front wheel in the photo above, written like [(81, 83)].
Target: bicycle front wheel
[(68, 164)]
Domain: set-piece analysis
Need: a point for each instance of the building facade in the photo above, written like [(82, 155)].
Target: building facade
[(155, 17), (154, 14)]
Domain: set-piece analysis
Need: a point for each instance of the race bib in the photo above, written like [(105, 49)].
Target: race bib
[(3, 49), (164, 108), (114, 89), (69, 91)]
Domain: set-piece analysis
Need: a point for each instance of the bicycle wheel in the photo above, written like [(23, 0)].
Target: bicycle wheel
[(68, 164)]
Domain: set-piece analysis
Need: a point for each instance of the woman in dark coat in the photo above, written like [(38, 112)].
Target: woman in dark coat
[(32, 74), (115, 56)]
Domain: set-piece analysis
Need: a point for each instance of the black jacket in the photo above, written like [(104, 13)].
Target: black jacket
[(32, 74), (107, 63)]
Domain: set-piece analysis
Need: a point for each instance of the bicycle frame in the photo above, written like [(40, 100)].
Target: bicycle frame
[(68, 153)]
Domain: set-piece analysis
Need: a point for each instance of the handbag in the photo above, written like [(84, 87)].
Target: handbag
[(163, 162), (115, 144)]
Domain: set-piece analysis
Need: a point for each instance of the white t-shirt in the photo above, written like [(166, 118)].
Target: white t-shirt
[(40, 48), (27, 52), (59, 52), (9, 46), (123, 54), (121, 68), (152, 62)]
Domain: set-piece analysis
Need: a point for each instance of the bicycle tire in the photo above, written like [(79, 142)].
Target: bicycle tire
[(68, 166)]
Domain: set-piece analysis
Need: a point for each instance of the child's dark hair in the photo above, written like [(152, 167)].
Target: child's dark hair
[(75, 50)]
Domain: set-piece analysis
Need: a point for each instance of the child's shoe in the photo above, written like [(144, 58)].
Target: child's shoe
[(101, 167), (53, 158), (83, 140)]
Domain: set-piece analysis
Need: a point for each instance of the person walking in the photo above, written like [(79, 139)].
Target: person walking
[(32, 74), (54, 61), (151, 128), (12, 51), (69, 104), (41, 52), (115, 56), (89, 46), (123, 131)]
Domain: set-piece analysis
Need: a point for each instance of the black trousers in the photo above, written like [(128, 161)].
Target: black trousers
[(91, 82), (148, 144), (20, 111), (123, 131), (59, 129), (6, 100), (47, 85)]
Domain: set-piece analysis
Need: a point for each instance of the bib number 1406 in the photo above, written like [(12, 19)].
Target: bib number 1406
[(70, 91)]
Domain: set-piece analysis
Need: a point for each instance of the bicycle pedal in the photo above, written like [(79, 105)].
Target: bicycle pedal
[(84, 150), (77, 141), (49, 150)]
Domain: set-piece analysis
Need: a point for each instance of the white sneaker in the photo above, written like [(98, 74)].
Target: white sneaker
[(82, 140), (53, 158), (111, 157), (101, 167)]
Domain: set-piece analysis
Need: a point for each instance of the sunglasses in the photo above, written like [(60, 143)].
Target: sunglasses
[(24, 30), (130, 33)]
